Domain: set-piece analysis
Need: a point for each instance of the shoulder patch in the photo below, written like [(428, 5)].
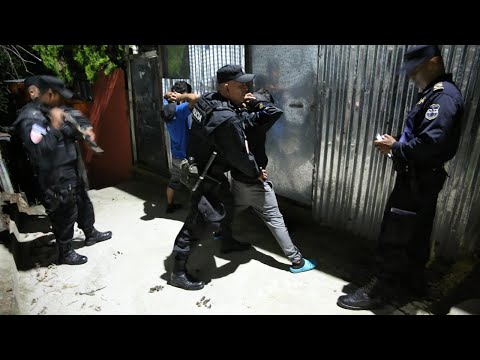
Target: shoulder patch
[(37, 133), (432, 112), (438, 86), (39, 129)]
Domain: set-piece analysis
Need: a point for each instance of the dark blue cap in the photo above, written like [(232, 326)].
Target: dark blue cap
[(417, 55), (54, 83), (233, 72)]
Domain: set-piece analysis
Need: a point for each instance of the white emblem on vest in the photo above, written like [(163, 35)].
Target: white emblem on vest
[(196, 115)]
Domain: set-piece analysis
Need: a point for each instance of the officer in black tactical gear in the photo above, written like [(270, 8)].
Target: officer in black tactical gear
[(430, 138), (217, 126), (54, 152)]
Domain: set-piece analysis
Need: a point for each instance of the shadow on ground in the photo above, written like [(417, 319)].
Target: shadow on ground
[(338, 254), (203, 266)]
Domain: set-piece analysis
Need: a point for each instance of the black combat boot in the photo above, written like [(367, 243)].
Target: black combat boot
[(66, 255), (364, 298), (96, 236), (180, 278)]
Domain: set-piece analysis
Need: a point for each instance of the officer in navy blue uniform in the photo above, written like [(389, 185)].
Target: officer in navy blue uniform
[(430, 138), (218, 123), (53, 150)]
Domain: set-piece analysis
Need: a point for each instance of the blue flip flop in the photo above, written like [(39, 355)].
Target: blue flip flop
[(309, 265)]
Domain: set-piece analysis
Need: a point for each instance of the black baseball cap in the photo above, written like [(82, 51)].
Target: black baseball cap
[(417, 55), (233, 72), (54, 83), (32, 80)]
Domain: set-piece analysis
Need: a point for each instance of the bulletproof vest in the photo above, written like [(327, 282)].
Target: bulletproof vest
[(201, 143)]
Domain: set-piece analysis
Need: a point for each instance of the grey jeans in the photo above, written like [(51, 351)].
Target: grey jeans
[(263, 200)]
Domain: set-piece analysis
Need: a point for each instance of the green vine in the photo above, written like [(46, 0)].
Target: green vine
[(70, 62)]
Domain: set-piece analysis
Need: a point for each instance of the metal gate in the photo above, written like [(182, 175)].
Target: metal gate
[(149, 134)]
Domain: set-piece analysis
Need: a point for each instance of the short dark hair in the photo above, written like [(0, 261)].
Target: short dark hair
[(182, 87)]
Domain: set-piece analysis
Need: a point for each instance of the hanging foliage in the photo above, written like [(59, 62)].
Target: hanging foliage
[(70, 62)]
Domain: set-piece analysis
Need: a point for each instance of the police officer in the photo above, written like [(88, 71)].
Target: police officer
[(217, 125), (54, 152), (430, 138)]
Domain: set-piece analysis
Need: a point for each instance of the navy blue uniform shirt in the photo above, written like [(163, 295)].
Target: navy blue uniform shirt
[(433, 126)]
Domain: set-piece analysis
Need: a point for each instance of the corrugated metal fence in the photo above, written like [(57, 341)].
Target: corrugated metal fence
[(360, 95), (205, 60), (336, 99)]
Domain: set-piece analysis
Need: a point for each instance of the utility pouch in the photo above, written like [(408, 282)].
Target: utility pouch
[(211, 215)]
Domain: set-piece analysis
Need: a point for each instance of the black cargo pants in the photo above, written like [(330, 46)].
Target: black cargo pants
[(404, 240), (66, 204)]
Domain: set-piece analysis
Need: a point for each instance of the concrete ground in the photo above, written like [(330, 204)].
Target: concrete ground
[(128, 274)]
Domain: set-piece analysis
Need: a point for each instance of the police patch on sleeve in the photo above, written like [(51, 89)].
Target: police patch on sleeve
[(432, 112), (37, 133)]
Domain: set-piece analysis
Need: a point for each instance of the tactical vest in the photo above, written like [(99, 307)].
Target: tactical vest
[(201, 143)]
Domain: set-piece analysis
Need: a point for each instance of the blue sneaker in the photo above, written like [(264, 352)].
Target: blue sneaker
[(309, 265)]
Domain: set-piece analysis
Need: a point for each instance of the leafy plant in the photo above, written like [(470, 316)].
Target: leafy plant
[(53, 59), (70, 62)]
